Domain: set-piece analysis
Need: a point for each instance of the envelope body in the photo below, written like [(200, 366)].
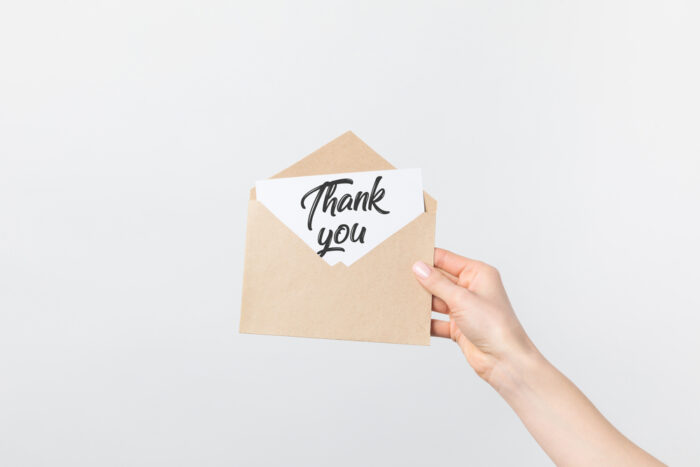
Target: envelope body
[(289, 290)]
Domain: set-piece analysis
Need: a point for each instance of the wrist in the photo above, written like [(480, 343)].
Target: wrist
[(512, 372)]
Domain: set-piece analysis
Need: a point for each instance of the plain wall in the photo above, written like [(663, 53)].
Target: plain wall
[(560, 140)]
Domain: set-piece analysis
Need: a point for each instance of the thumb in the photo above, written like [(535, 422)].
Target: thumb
[(437, 283)]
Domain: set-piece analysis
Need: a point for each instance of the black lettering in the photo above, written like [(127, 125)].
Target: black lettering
[(345, 202), (328, 188), (360, 238), (341, 228), (377, 196), (326, 243), (361, 197)]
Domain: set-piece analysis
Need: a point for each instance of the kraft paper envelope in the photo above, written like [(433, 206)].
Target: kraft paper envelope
[(289, 290)]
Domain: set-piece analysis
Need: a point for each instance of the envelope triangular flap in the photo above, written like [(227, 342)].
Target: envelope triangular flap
[(346, 153)]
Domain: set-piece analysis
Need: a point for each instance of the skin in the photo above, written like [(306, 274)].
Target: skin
[(482, 322)]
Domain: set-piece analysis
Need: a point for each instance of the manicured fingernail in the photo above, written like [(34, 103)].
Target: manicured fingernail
[(421, 269)]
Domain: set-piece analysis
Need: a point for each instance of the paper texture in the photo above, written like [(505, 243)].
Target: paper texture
[(289, 290), (344, 216)]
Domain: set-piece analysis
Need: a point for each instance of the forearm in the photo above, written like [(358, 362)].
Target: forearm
[(482, 321), (559, 416)]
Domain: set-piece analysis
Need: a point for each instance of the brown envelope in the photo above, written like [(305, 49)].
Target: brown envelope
[(289, 290)]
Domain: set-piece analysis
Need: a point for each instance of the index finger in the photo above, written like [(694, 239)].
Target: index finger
[(451, 262)]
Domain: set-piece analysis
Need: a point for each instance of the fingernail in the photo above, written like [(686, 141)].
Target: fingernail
[(421, 269)]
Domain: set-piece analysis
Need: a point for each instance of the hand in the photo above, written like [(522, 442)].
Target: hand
[(559, 416), (482, 320)]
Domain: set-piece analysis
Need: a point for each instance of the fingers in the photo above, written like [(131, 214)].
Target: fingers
[(439, 305), (451, 262), (451, 277), (437, 283), (439, 328)]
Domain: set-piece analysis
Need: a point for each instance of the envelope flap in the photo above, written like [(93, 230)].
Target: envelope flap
[(346, 153)]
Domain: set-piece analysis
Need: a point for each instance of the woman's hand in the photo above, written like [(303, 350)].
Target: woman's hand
[(559, 416), (482, 320)]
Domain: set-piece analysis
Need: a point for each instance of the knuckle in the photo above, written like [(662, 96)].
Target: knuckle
[(491, 270), (457, 295), (457, 314)]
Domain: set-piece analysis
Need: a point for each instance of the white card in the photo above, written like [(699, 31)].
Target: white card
[(344, 216)]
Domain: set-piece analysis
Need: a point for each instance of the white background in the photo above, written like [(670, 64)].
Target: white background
[(560, 140)]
